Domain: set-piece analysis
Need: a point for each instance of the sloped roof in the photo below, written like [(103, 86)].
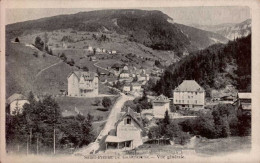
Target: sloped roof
[(14, 97), (86, 75), (189, 85), (161, 98), (244, 95), (115, 139), (133, 115)]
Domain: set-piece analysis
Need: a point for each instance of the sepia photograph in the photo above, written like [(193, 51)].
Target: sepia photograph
[(97, 83)]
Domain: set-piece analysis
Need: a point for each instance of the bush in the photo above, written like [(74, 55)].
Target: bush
[(16, 39), (106, 102), (35, 54), (39, 43)]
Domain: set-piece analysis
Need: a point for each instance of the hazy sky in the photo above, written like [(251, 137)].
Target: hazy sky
[(183, 15)]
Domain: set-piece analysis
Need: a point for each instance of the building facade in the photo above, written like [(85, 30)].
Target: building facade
[(82, 84), (161, 104), (189, 95), (128, 132)]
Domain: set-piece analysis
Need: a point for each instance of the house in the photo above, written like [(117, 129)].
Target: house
[(128, 132), (82, 84), (98, 50), (161, 104), (117, 67), (127, 88), (15, 103), (136, 87), (93, 58), (113, 52), (244, 101), (185, 53), (143, 77), (124, 74), (103, 50), (227, 99), (189, 94), (90, 49)]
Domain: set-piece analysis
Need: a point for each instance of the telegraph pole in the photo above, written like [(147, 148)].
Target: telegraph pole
[(37, 145), (54, 141), (27, 149)]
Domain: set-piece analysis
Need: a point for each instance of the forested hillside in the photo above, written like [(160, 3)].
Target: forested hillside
[(213, 68)]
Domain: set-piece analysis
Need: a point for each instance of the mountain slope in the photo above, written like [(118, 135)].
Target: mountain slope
[(229, 30), (200, 38), (213, 68), (150, 28)]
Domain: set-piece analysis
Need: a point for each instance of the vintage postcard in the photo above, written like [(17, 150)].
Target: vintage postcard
[(130, 81)]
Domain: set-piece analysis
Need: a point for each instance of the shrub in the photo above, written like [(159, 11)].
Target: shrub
[(16, 39), (39, 43), (35, 54), (106, 102)]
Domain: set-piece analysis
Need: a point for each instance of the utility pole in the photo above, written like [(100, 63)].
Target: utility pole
[(30, 136), (27, 149), (54, 141), (37, 145)]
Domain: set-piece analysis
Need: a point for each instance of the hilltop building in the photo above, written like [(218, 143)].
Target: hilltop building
[(128, 132), (188, 95), (83, 84), (160, 105), (15, 103)]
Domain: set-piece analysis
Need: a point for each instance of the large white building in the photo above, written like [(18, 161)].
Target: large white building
[(82, 84), (188, 95), (161, 104)]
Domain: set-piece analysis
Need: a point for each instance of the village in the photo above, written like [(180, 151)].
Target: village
[(124, 128), (88, 93)]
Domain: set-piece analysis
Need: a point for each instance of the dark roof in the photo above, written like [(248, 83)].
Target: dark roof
[(86, 75), (131, 114), (161, 98), (189, 85), (15, 97)]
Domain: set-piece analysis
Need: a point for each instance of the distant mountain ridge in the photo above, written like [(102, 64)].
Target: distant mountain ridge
[(153, 29), (229, 30)]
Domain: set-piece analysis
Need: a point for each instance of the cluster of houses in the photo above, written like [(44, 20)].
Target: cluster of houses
[(100, 50)]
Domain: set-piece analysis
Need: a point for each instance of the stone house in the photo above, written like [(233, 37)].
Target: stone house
[(188, 95), (161, 104), (15, 103), (82, 84)]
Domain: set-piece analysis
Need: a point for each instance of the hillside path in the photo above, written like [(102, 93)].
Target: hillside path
[(39, 73)]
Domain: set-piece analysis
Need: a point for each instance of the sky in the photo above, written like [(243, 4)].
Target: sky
[(183, 15)]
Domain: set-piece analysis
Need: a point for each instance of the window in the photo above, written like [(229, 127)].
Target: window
[(196, 101), (195, 93), (128, 121)]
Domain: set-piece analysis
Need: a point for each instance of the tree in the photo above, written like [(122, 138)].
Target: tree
[(63, 57), (106, 102), (46, 40), (85, 68), (39, 43), (16, 39), (166, 119)]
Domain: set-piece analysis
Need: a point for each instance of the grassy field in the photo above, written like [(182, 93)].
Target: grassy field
[(84, 105), (206, 147), (224, 145), (22, 67)]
